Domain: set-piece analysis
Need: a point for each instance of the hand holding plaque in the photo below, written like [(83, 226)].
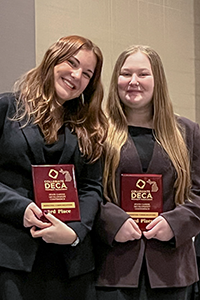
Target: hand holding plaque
[(142, 197), (55, 191)]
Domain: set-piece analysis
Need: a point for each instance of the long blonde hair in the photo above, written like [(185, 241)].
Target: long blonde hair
[(35, 94), (167, 130)]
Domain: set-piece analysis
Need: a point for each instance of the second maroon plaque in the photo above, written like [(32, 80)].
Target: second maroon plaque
[(142, 197)]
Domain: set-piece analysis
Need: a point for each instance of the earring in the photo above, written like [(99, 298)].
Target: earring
[(82, 99), (137, 83)]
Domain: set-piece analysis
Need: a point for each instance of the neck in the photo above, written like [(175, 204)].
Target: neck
[(141, 119)]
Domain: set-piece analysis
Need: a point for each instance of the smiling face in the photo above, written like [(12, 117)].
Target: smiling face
[(136, 82), (71, 77)]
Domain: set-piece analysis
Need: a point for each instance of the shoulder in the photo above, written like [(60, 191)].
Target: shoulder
[(7, 96), (7, 107), (191, 131), (188, 124), (185, 121), (7, 99)]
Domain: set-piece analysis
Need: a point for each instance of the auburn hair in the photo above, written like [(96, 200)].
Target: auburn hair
[(35, 94)]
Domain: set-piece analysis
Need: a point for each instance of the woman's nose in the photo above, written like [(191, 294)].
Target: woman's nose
[(76, 73), (134, 79)]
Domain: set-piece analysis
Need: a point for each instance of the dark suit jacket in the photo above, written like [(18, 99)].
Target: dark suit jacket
[(168, 264), (19, 149)]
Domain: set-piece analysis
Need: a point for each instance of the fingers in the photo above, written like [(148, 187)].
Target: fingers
[(51, 218), (150, 234), (159, 229), (137, 231), (57, 232), (32, 207), (37, 232), (128, 232), (153, 229), (32, 216), (154, 223), (34, 233)]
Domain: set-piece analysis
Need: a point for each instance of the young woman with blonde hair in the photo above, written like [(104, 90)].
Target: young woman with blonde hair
[(145, 136)]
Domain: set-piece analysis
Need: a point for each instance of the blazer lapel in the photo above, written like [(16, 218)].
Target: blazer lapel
[(130, 160), (160, 160), (69, 147), (35, 141)]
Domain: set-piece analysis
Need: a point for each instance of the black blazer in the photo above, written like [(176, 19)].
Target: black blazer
[(168, 264), (19, 149)]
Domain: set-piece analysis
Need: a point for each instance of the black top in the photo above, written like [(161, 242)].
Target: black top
[(143, 139), (52, 152)]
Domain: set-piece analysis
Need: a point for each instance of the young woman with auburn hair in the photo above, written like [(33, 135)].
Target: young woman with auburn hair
[(54, 116)]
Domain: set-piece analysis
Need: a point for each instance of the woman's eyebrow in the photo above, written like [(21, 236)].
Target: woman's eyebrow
[(89, 70)]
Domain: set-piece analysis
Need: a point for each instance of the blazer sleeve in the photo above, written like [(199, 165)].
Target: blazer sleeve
[(89, 184), (108, 222), (185, 219), (12, 202), (4, 103), (12, 205)]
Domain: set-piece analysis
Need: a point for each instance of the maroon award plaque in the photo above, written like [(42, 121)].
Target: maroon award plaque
[(55, 191), (142, 197)]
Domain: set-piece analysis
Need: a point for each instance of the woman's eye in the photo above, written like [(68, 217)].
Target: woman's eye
[(87, 75), (71, 62), (125, 74), (144, 74)]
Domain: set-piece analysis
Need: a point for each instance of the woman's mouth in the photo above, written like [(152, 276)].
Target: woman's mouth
[(68, 83)]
